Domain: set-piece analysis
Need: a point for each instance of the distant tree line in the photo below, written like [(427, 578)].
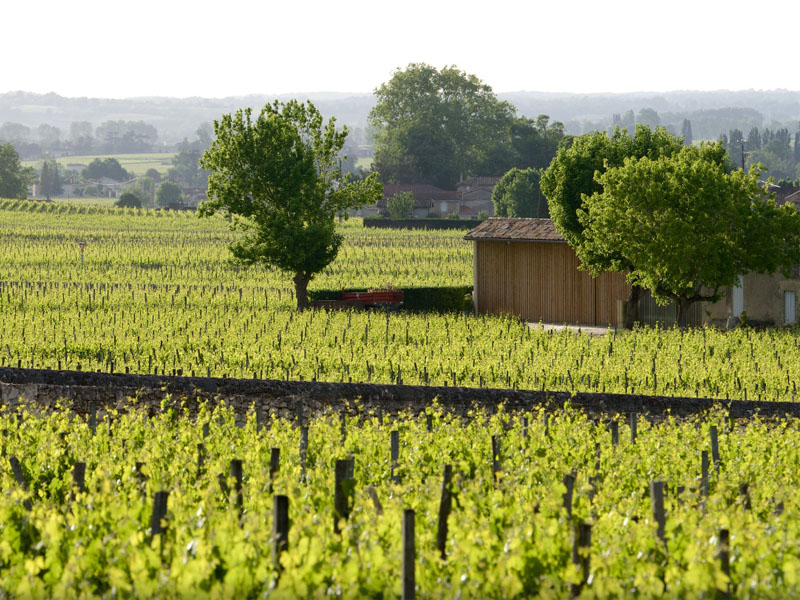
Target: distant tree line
[(778, 150), (110, 137)]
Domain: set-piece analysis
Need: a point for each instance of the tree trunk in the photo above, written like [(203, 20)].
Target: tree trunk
[(683, 313), (301, 290), (632, 311)]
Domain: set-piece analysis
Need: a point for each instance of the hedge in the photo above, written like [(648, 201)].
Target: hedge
[(380, 222), (417, 299)]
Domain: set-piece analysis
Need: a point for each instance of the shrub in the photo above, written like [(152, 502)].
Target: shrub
[(128, 200), (401, 206), (169, 193)]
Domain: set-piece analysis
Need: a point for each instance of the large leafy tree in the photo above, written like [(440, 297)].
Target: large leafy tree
[(14, 178), (280, 176), (186, 165), (169, 193), (684, 226), (108, 167), (435, 126), (517, 194), (570, 178), (534, 142)]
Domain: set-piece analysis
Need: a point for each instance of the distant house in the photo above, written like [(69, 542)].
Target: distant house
[(194, 196), (789, 196), (111, 187), (476, 194), (429, 200), (471, 197)]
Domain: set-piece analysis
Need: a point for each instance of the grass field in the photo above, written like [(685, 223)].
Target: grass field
[(137, 164), (86, 201)]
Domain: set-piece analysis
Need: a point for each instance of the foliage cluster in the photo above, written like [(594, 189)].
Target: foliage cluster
[(518, 194), (108, 167), (508, 509), (440, 126), (14, 178), (281, 176), (401, 206), (673, 217)]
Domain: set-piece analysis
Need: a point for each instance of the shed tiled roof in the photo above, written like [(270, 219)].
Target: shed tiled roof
[(515, 230), (792, 198)]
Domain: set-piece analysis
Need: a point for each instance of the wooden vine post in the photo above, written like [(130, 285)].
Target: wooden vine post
[(613, 427), (274, 466), (78, 479), (715, 447), (342, 473), (280, 529), (724, 554), (236, 474), (657, 506), (581, 543), (394, 439), (159, 514), (409, 556), (445, 506), (569, 483)]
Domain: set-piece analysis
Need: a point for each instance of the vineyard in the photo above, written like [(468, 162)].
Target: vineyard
[(155, 292), (435, 505), (503, 505)]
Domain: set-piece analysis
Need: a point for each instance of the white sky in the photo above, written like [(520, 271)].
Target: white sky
[(235, 47)]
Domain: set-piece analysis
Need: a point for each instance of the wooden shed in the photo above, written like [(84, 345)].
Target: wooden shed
[(525, 268)]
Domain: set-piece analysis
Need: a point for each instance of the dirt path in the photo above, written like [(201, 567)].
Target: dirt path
[(590, 329)]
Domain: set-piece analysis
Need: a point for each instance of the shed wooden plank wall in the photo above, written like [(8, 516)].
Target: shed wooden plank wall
[(540, 281)]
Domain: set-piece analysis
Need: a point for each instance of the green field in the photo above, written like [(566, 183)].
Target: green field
[(86, 201), (365, 162), (137, 164)]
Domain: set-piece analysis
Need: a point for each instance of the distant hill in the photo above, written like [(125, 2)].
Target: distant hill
[(174, 118), (712, 113)]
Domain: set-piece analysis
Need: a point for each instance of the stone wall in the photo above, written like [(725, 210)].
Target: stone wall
[(44, 389)]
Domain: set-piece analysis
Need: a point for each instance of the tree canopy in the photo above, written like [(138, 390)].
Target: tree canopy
[(517, 194), (186, 166), (280, 176), (401, 205), (108, 167), (128, 200), (438, 126), (169, 193), (126, 136), (684, 226), (49, 179), (14, 178), (570, 178)]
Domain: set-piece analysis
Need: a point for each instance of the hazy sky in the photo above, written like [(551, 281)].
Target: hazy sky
[(235, 47)]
